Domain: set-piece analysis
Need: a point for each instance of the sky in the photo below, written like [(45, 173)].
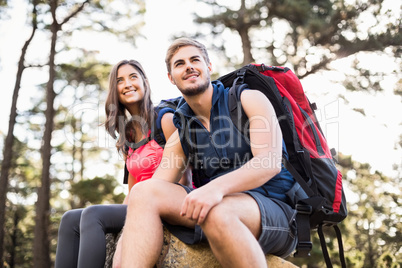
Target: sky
[(369, 138)]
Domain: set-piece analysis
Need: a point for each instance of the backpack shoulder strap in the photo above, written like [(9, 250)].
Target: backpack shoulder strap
[(324, 246), (157, 131), (125, 178), (165, 106), (237, 114)]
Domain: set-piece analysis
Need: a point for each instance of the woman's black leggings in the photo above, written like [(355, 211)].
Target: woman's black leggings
[(81, 242)]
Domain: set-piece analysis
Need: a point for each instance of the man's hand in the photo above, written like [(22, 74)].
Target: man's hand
[(199, 202)]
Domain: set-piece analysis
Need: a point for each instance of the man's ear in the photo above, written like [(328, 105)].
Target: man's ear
[(171, 79), (210, 68)]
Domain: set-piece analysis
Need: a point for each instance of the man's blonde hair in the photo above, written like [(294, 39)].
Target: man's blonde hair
[(183, 42)]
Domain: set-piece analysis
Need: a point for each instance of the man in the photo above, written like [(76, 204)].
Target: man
[(239, 203)]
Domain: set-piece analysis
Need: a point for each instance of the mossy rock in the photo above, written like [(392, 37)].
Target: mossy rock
[(176, 254)]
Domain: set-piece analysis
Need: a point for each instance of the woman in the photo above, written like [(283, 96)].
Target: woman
[(81, 241)]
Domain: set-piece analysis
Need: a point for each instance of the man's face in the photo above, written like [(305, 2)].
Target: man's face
[(189, 71)]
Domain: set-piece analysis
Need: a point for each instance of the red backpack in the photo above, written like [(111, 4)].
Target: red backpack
[(318, 195)]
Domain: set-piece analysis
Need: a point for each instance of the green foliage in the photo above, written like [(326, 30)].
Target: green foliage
[(84, 72), (373, 226), (23, 179), (24, 173), (96, 191), (371, 232), (19, 235), (306, 35), (387, 260), (122, 19)]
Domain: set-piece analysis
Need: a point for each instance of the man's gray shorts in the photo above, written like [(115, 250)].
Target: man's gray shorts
[(278, 225)]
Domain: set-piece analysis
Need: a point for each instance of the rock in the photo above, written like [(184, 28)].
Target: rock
[(176, 254)]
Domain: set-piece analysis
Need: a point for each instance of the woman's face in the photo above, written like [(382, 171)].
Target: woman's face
[(130, 86)]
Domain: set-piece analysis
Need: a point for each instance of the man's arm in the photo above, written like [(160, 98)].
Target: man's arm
[(174, 161), (168, 129), (266, 146), (167, 125)]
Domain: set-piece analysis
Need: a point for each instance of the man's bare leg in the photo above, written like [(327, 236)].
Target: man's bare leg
[(150, 201), (232, 228)]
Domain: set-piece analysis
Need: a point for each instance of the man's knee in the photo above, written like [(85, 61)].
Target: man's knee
[(217, 218), (144, 191), (227, 215)]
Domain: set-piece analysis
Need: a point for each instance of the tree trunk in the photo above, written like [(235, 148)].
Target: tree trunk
[(41, 232), (9, 140), (243, 28), (14, 239), (246, 45)]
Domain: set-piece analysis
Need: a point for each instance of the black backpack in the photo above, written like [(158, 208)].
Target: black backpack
[(318, 194)]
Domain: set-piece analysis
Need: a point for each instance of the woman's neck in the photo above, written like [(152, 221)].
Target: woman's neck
[(134, 110), (138, 135)]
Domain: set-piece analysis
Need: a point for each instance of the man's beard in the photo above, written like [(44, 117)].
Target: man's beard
[(196, 89)]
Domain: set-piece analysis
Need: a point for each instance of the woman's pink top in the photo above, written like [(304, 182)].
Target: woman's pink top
[(143, 162)]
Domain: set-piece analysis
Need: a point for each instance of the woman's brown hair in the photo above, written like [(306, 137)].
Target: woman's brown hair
[(117, 121)]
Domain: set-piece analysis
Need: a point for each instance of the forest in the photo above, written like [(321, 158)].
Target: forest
[(51, 144)]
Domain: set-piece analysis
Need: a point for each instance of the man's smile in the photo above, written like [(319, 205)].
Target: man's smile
[(191, 75)]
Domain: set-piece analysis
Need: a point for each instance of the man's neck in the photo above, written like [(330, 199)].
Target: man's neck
[(201, 105)]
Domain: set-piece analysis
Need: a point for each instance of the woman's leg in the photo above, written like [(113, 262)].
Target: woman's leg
[(68, 239), (96, 221)]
